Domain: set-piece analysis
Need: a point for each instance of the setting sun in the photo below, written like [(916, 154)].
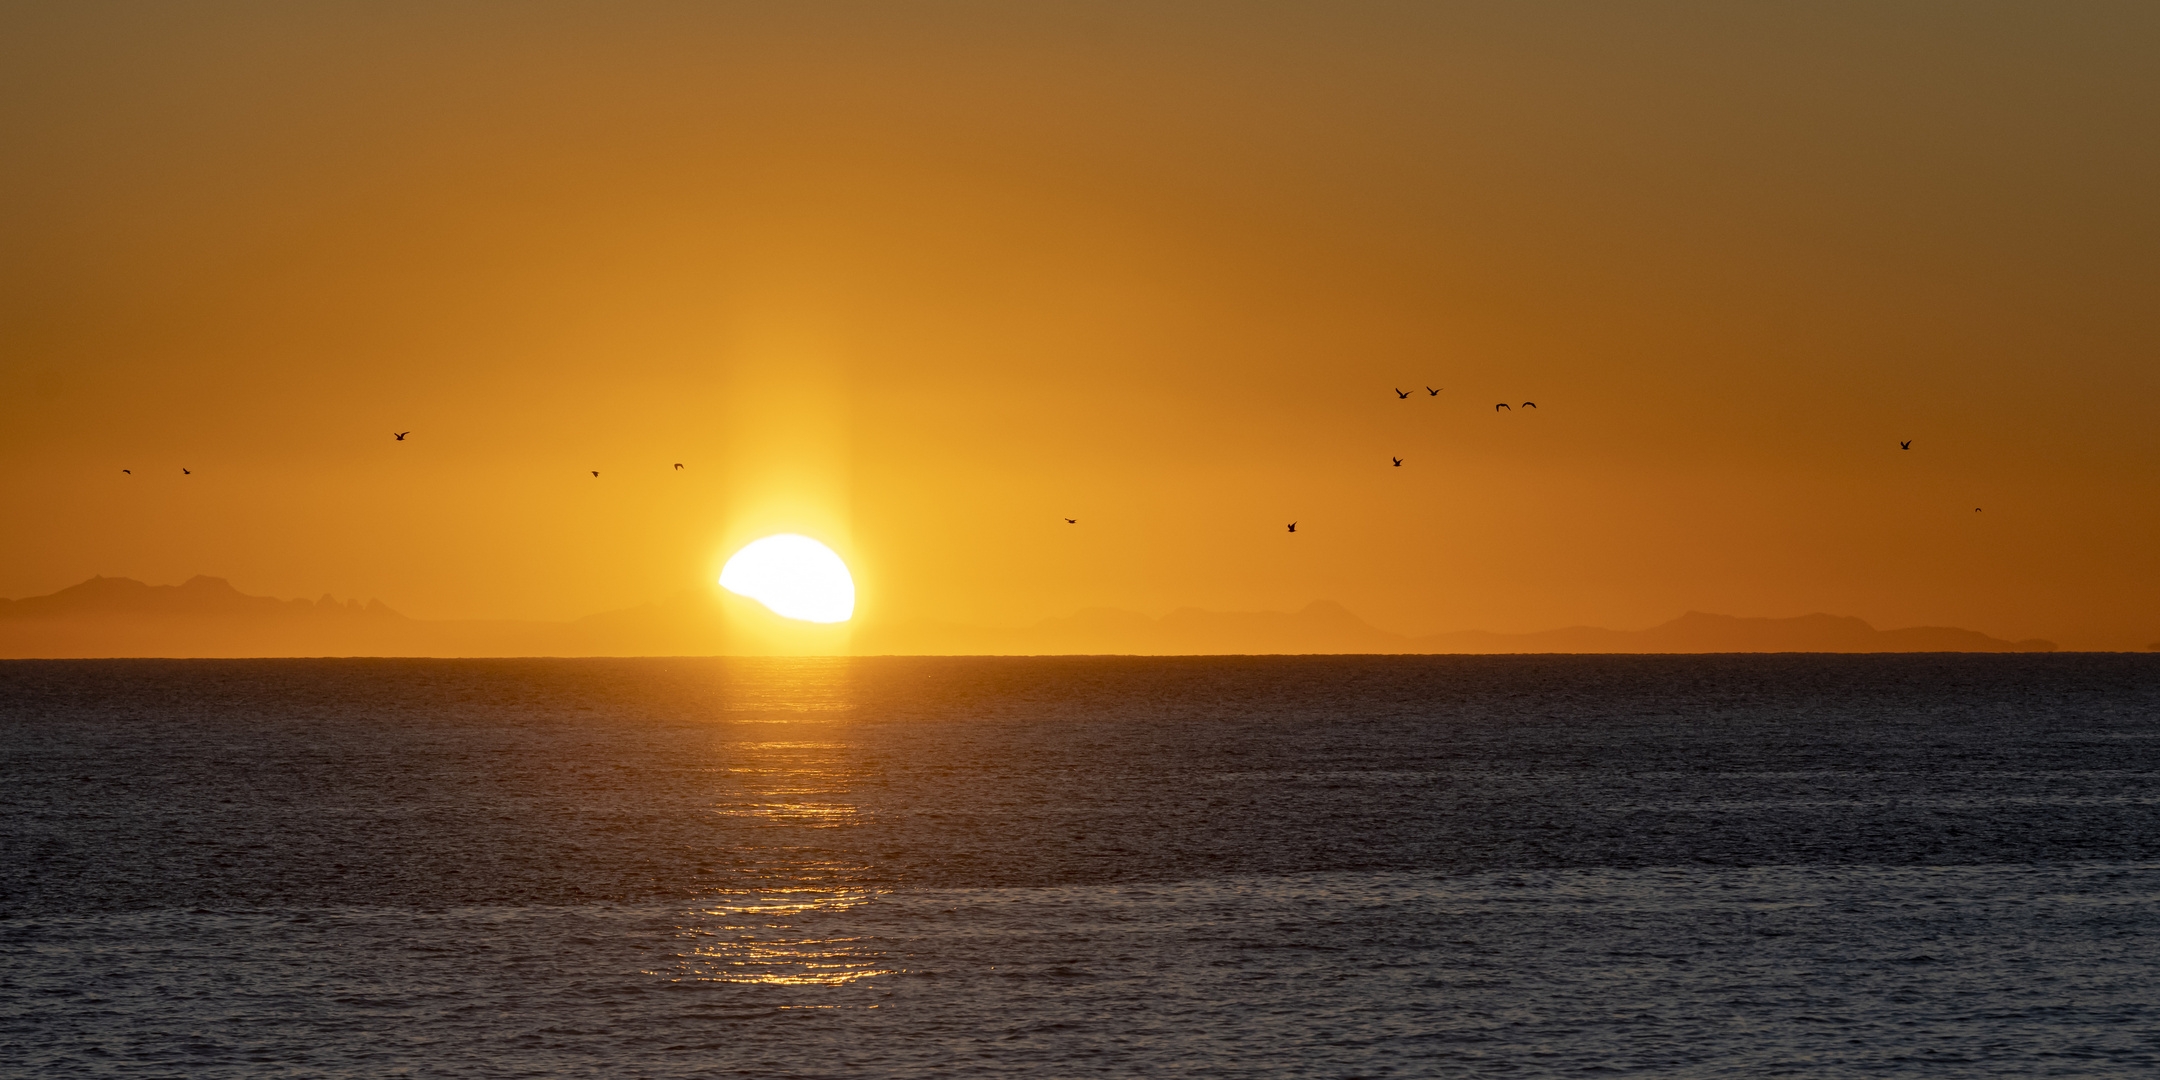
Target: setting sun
[(794, 576)]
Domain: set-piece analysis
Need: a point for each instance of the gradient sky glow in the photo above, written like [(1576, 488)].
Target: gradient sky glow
[(922, 280)]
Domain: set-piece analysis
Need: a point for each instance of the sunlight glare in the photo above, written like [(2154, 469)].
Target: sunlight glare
[(793, 576)]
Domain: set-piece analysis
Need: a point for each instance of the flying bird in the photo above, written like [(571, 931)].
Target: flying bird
[(1293, 526), (1904, 444), (1529, 404), (1070, 521), (1433, 392), (1397, 461), (678, 464), (401, 435), (596, 472), (184, 472), (1502, 405), (130, 472), (1976, 509), (1400, 394)]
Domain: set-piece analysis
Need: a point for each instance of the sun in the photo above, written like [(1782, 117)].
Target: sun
[(793, 576)]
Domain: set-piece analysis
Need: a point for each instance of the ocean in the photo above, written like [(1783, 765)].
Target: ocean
[(1767, 865)]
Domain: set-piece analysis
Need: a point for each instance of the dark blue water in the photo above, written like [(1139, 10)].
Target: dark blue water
[(1328, 867)]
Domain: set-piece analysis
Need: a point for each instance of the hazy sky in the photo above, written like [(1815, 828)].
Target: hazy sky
[(924, 279)]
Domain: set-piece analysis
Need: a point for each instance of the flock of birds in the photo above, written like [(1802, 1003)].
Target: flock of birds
[(1434, 391), (396, 436), (1400, 395)]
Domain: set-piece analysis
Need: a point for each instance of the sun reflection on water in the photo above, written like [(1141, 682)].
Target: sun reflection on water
[(783, 790), (786, 933), (783, 919)]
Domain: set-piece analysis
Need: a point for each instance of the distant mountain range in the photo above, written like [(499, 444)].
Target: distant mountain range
[(1327, 627), (208, 617)]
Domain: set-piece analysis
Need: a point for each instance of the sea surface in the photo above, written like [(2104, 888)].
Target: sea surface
[(1747, 866)]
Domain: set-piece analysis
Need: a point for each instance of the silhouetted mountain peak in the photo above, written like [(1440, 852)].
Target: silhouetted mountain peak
[(203, 585), (197, 597), (100, 587)]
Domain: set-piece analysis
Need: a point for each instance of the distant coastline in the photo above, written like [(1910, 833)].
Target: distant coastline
[(207, 617)]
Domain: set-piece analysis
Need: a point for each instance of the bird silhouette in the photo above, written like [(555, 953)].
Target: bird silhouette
[(1293, 526), (401, 435), (1502, 405), (130, 472), (1070, 521), (1976, 509), (1529, 404), (1904, 444), (596, 472), (678, 464), (1400, 394), (1433, 392), (184, 472), (1397, 461)]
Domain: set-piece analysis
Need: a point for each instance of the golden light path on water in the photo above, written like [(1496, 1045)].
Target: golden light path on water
[(783, 781)]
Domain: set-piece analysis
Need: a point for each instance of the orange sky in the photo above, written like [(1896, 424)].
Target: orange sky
[(921, 280)]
